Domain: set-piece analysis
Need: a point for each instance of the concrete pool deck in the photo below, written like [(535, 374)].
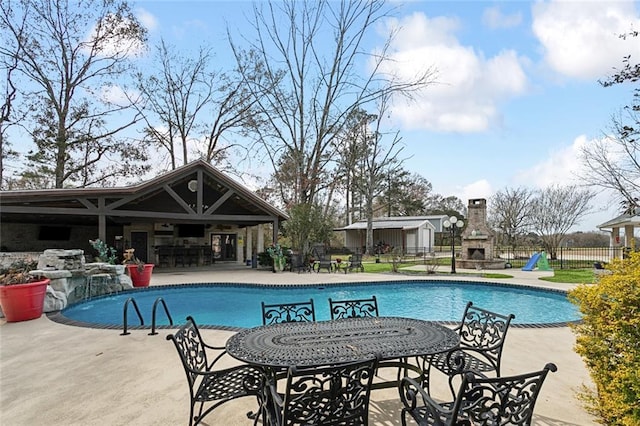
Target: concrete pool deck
[(55, 374)]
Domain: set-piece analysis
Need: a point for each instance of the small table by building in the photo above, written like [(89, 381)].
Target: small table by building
[(320, 343)]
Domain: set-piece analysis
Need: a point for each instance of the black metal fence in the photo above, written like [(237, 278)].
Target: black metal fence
[(561, 258)]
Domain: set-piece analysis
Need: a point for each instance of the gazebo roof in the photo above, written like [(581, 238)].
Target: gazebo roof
[(621, 221)]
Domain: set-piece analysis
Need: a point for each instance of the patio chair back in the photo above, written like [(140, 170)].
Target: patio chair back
[(333, 395), (208, 387), (482, 336), (323, 262), (479, 400), (353, 308), (298, 263), (355, 262), (484, 332), (288, 312)]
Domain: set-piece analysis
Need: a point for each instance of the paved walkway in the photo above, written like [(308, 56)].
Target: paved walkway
[(54, 374)]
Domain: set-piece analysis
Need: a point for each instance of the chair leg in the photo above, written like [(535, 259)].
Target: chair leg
[(403, 417)]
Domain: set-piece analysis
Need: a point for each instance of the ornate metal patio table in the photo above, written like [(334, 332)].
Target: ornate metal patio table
[(344, 340)]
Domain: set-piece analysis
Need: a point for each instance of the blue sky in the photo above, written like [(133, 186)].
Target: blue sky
[(517, 93)]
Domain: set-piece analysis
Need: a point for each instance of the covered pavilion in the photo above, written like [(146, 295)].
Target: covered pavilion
[(628, 222), (194, 206)]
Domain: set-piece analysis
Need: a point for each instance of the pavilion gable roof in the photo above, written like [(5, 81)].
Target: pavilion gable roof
[(196, 192)]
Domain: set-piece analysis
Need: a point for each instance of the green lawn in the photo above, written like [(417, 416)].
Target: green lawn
[(569, 276), (572, 276)]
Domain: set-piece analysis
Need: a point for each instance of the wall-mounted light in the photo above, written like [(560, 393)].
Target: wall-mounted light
[(193, 185)]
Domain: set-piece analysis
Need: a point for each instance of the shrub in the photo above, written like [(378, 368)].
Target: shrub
[(106, 253), (608, 339)]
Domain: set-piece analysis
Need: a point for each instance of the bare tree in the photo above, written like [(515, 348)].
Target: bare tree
[(9, 66), (311, 52), (555, 210), (613, 163), (379, 163), (350, 149), (188, 107), (70, 55), (510, 213)]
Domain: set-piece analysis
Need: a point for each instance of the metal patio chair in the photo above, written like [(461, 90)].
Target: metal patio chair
[(330, 395), (288, 312), (298, 264), (480, 400), (354, 262), (482, 336), (210, 387), (323, 262), (353, 308)]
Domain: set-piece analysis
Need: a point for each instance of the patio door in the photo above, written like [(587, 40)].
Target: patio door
[(224, 246), (139, 241)]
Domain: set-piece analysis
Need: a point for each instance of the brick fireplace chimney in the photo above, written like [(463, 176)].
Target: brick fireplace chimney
[(478, 239)]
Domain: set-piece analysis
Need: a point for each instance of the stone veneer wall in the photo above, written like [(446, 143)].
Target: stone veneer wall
[(478, 239), (72, 279)]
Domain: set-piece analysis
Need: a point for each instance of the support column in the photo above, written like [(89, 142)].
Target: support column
[(629, 241), (102, 221), (249, 242), (260, 247), (276, 231), (615, 242), (239, 248)]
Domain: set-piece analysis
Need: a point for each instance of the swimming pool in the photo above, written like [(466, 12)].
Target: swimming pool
[(227, 305)]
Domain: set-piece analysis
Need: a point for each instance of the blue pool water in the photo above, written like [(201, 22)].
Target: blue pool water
[(238, 305)]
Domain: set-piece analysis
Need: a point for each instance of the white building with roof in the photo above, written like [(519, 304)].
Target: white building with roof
[(412, 234)]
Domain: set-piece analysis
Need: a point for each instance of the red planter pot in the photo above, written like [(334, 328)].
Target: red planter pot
[(22, 302), (140, 278)]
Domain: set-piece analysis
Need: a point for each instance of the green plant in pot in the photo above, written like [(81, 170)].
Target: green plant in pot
[(277, 255), (139, 271), (21, 292), (106, 254)]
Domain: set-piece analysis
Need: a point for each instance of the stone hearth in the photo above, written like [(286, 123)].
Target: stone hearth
[(478, 240)]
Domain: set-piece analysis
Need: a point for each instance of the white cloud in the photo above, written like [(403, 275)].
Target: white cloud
[(478, 189), (116, 95), (493, 18), (147, 19), (111, 42), (561, 167), (469, 86), (581, 38)]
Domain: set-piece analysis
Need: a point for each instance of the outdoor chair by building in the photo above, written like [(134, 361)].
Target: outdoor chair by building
[(353, 308), (479, 400), (323, 262), (322, 259), (330, 395), (482, 335), (288, 312), (299, 264), (354, 262), (210, 387)]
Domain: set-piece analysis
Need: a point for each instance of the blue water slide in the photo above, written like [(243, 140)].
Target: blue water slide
[(532, 262)]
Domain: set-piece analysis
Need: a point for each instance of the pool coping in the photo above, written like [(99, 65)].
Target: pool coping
[(59, 317)]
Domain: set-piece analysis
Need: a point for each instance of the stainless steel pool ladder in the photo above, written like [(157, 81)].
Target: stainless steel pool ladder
[(132, 301)]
